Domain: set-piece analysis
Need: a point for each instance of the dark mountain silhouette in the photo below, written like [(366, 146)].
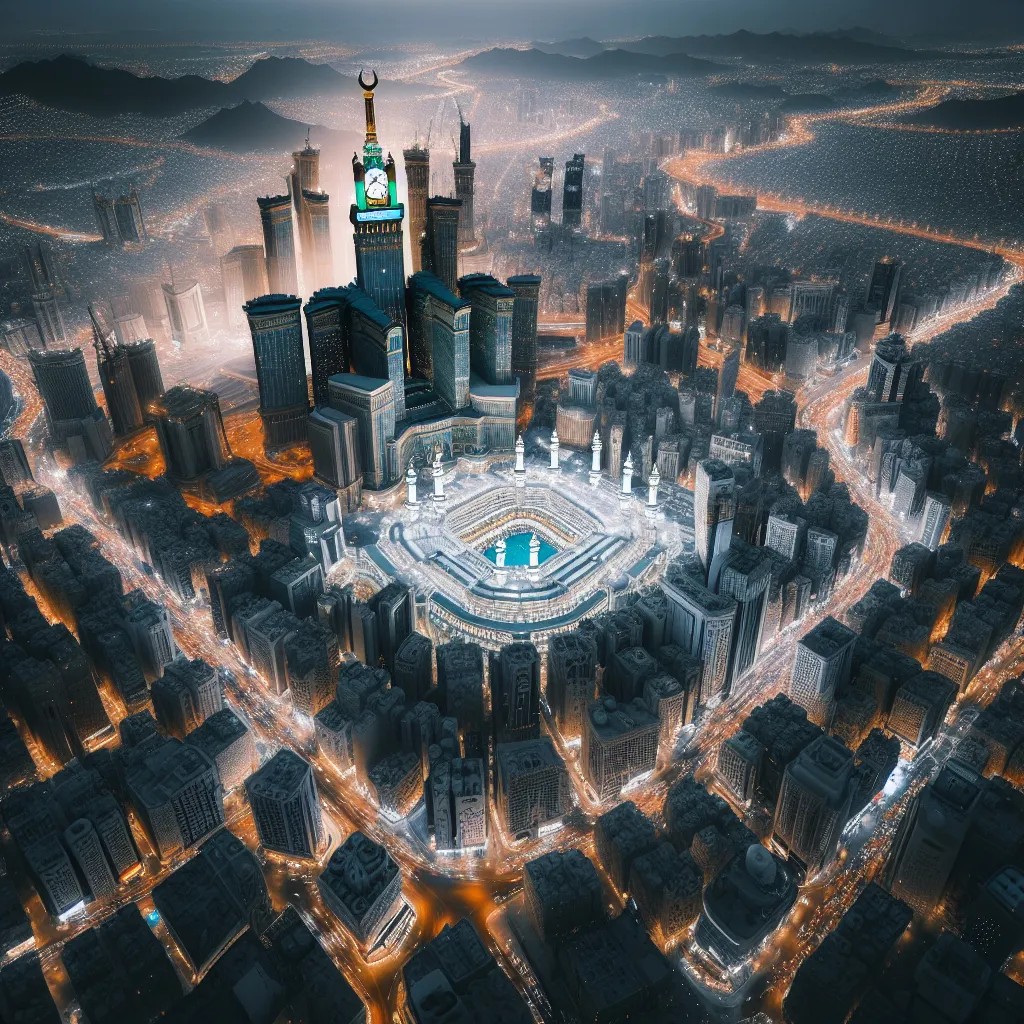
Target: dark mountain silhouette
[(290, 76), (584, 47), (974, 115), (507, 63), (71, 83), (774, 46), (252, 127)]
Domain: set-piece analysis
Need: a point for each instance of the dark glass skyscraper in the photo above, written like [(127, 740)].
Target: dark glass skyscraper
[(540, 200), (377, 218), (572, 193), (327, 331), (465, 170), (884, 288), (417, 178), (63, 383), (145, 367), (441, 242), (279, 244), (524, 330), (280, 368)]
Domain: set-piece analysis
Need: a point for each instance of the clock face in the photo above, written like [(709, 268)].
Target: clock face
[(376, 184)]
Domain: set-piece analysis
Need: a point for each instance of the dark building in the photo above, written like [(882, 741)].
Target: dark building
[(145, 370), (327, 329), (417, 180), (465, 170), (524, 330), (440, 249), (279, 244), (572, 193), (191, 432), (455, 971), (276, 329), (883, 289), (72, 415), (515, 692)]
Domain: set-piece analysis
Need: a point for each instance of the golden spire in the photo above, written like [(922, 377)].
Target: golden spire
[(371, 120)]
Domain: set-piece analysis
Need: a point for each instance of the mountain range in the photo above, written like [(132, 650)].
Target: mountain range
[(510, 63), (974, 115), (252, 127), (72, 83), (850, 46)]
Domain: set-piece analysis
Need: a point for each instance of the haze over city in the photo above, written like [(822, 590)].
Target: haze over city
[(512, 513)]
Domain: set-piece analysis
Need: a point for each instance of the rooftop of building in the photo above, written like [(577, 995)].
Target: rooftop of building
[(281, 777), (357, 382), (609, 719)]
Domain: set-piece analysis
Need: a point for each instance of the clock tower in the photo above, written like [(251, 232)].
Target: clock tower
[(377, 217)]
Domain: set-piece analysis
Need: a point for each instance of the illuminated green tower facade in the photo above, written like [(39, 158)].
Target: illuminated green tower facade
[(377, 217)]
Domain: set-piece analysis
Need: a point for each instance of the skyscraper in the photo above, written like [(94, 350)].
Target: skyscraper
[(312, 218), (440, 249), (279, 244), (334, 442), (327, 328), (48, 316), (377, 217), (465, 170), (370, 401), (540, 202), (883, 290), (929, 838), (572, 194), (243, 272), (130, 223), (376, 342), (105, 218), (515, 689), (118, 383), (285, 806), (146, 375), (814, 803), (524, 330), (744, 577), (417, 180), (187, 314), (822, 663), (439, 324), (276, 330), (191, 432), (934, 519), (702, 624), (572, 679), (490, 327), (714, 505), (72, 415)]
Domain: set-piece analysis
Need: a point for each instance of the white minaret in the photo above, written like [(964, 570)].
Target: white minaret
[(627, 474), (595, 464), (438, 477), (411, 500), (520, 470), (652, 492), (534, 551), (554, 450), (499, 553)]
